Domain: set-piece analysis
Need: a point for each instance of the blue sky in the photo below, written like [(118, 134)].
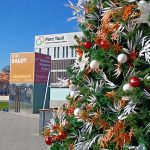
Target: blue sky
[(21, 20)]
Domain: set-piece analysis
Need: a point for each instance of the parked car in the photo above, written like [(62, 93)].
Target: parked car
[(4, 92)]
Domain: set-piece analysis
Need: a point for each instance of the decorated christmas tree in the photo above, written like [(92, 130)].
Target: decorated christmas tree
[(109, 102)]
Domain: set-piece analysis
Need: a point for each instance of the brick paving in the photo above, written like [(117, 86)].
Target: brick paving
[(20, 132)]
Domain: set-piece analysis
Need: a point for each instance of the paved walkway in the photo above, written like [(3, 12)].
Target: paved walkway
[(20, 132)]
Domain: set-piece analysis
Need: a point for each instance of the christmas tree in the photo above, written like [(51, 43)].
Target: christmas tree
[(109, 101)]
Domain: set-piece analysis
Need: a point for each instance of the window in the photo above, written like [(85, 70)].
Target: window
[(40, 50), (72, 52), (66, 51), (63, 52), (48, 51), (57, 52), (54, 52)]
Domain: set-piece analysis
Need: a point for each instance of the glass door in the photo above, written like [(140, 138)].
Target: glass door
[(21, 98)]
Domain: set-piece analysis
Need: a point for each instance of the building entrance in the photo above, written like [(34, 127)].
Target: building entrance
[(21, 98)]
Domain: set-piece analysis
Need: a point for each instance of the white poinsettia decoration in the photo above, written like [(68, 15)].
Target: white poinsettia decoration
[(116, 107), (118, 70), (107, 82), (132, 44), (130, 72), (129, 109), (140, 147), (80, 65), (60, 116), (78, 12), (145, 51), (94, 86), (92, 99), (147, 128), (147, 94), (87, 128), (82, 2), (82, 144), (62, 82)]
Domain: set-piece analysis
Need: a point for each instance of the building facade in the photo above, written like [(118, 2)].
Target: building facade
[(59, 47)]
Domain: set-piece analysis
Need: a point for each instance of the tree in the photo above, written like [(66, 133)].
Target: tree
[(6, 69), (109, 103)]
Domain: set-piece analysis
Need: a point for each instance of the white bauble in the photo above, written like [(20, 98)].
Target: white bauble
[(72, 87), (122, 58), (77, 112), (127, 87), (94, 64)]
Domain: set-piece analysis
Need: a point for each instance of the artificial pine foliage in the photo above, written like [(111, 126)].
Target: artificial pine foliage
[(109, 102)]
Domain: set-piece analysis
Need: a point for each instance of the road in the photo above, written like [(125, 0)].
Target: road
[(20, 132)]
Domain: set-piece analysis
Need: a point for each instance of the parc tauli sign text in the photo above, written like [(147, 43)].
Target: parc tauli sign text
[(50, 40), (55, 40)]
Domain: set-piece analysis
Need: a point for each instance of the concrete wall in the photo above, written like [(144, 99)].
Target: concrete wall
[(56, 104), (58, 97)]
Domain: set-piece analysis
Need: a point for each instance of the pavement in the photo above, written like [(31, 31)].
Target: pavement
[(20, 132)]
